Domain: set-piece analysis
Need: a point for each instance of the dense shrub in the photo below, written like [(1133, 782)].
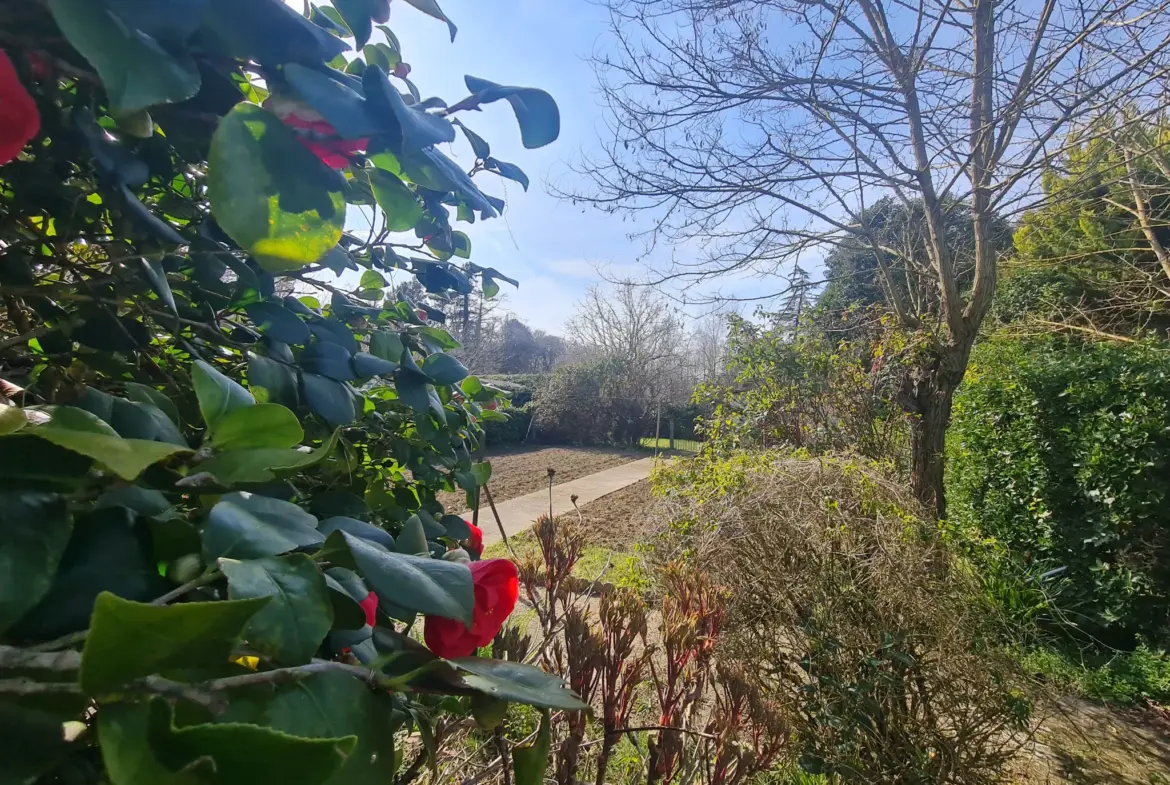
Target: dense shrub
[(514, 430), (582, 405), (1060, 451), (853, 616)]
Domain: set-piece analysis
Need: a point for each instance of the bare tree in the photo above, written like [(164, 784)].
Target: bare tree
[(708, 345), (766, 128), (637, 328)]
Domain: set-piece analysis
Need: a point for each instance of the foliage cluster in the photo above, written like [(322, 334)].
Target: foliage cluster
[(1125, 678), (588, 403), (1060, 453), (218, 498), (821, 383), (847, 609)]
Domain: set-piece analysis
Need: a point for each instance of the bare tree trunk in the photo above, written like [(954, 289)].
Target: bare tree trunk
[(928, 396)]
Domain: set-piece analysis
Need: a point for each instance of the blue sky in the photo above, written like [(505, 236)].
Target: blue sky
[(551, 246)]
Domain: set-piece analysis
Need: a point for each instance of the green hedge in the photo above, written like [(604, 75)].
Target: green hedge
[(1061, 451)]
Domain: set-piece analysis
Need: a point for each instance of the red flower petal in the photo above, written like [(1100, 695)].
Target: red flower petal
[(370, 606), (19, 119), (475, 541), (497, 588)]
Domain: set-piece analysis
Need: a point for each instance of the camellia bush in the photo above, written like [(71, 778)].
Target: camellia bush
[(219, 535)]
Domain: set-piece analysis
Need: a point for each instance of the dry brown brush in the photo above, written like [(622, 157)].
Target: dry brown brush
[(848, 613)]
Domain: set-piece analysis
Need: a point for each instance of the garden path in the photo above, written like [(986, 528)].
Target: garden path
[(520, 513)]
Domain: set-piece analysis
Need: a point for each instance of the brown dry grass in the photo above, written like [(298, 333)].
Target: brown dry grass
[(524, 470)]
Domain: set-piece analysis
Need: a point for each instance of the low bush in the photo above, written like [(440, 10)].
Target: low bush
[(583, 404), (1125, 678), (514, 430), (852, 615), (1059, 451)]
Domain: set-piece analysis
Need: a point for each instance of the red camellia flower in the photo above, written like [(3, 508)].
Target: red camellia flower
[(497, 587), (19, 119), (370, 606), (475, 541), (314, 132)]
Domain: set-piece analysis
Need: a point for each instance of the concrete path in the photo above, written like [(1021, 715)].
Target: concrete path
[(520, 513)]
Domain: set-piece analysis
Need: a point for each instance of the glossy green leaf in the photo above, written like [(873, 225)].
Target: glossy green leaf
[(152, 271), (517, 683), (402, 208), (366, 365), (245, 753), (461, 245), (36, 529), (334, 705), (271, 194), (530, 761), (265, 425), (505, 169), (367, 531), (444, 369), (265, 464), (330, 400), (299, 614), (341, 106), (479, 145), (536, 111), (274, 320), (328, 359), (105, 553), (144, 501), (124, 732), (431, 8), (247, 526), (142, 393), (272, 382), (130, 640), (413, 537), (456, 527), (217, 394), (428, 586), (136, 71), (387, 345), (84, 433)]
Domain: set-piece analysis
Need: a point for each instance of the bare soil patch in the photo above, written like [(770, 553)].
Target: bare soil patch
[(521, 471)]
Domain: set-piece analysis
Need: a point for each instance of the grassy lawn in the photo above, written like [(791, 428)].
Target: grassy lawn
[(685, 445)]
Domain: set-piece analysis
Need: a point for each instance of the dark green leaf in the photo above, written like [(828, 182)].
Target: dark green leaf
[(268, 32), (218, 395), (517, 683), (347, 613), (36, 528), (530, 761), (271, 381), (108, 333), (419, 129), (246, 526), (271, 194), (461, 247), (328, 359), (478, 145), (356, 14), (141, 393), (31, 742), (386, 345), (431, 8), (341, 106), (129, 640), (136, 71), (367, 365), (152, 270), (144, 501), (536, 111), (333, 331), (367, 531), (334, 705), (263, 465), (84, 433), (299, 614), (280, 323), (247, 754), (402, 208), (330, 400), (104, 554), (413, 537), (428, 586), (505, 169), (444, 369), (259, 426), (457, 528)]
